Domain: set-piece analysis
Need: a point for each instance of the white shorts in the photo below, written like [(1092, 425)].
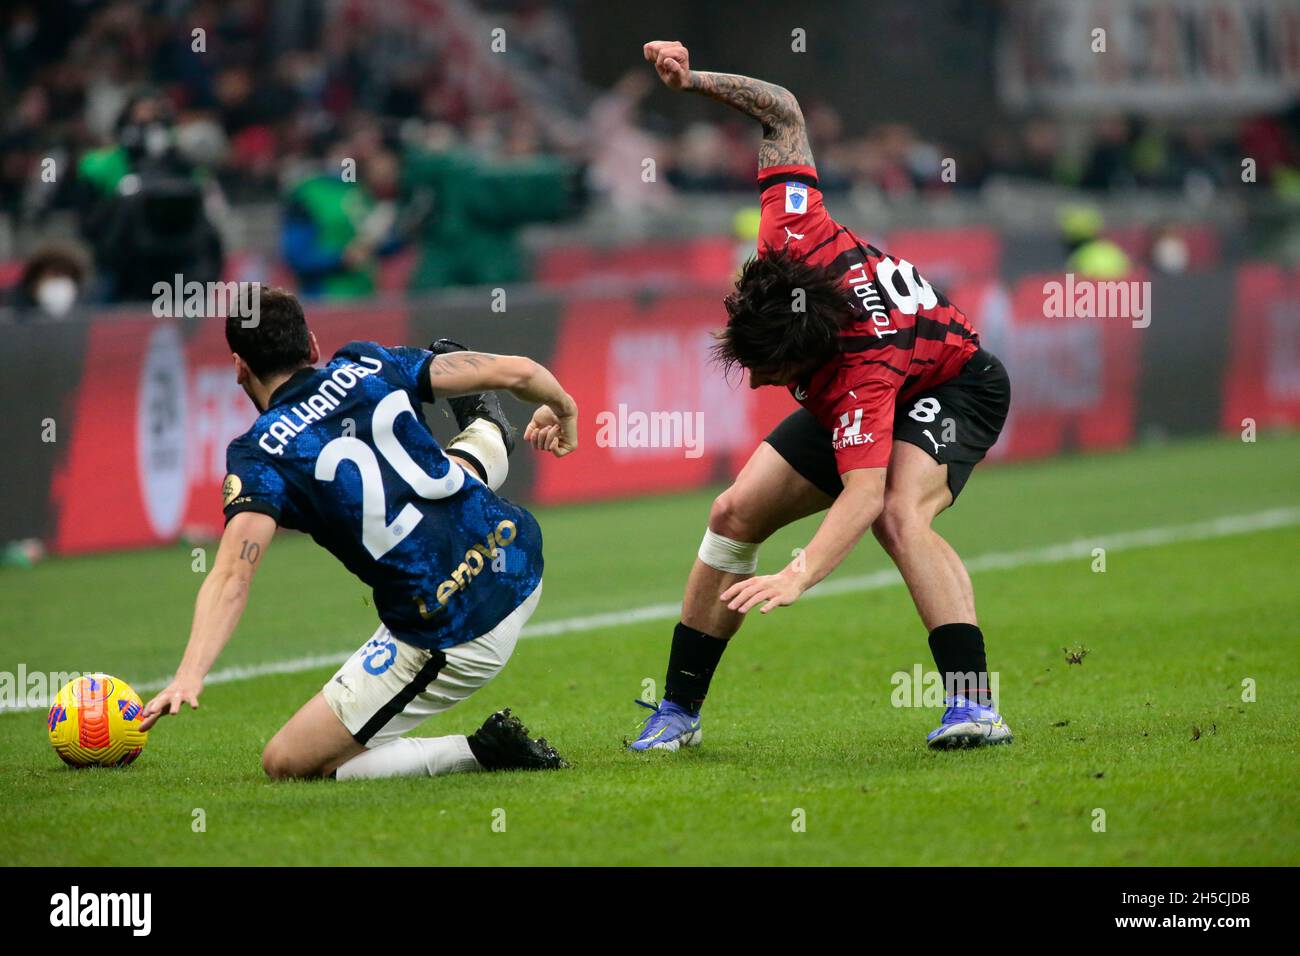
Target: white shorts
[(389, 687)]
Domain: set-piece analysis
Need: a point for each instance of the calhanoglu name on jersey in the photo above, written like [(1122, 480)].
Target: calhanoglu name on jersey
[(320, 403)]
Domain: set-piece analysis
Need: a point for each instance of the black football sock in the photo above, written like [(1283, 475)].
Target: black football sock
[(691, 664), (958, 651)]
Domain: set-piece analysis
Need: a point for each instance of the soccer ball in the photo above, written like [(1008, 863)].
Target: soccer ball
[(95, 722)]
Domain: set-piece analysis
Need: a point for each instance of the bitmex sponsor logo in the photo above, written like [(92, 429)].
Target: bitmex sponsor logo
[(74, 908), (1094, 299), (849, 432), (625, 428)]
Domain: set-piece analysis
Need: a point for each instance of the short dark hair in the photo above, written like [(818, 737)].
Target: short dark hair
[(57, 258), (278, 341), (765, 329)]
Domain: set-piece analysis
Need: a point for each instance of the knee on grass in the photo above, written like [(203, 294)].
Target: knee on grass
[(281, 763)]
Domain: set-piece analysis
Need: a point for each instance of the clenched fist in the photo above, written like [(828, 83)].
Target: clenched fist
[(672, 62), (549, 432)]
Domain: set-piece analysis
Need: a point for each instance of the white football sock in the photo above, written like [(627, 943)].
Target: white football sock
[(411, 757)]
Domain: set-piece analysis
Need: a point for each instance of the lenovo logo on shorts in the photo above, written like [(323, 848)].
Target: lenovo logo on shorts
[(850, 432)]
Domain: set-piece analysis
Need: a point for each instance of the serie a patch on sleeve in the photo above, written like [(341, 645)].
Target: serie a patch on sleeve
[(230, 489), (796, 198)]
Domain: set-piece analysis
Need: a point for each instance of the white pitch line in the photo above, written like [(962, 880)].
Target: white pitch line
[(996, 561)]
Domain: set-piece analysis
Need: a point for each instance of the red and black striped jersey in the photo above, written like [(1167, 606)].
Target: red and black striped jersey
[(905, 339)]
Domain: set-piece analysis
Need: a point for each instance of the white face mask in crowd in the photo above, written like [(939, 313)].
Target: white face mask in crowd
[(157, 138), (56, 295), (1170, 254)]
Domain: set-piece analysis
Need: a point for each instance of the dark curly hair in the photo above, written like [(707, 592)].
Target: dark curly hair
[(279, 340), (784, 316)]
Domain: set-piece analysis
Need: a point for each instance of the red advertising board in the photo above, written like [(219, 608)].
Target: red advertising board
[(1263, 379), (1073, 378), (949, 256), (657, 415)]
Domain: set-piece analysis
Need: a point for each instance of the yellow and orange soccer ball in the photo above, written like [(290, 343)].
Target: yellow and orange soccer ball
[(95, 722)]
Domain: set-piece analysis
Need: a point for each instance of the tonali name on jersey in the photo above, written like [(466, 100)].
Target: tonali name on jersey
[(909, 338)]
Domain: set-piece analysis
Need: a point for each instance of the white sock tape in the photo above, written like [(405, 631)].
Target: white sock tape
[(481, 442), (727, 554)]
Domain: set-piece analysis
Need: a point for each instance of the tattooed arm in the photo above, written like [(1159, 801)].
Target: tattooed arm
[(217, 610), (554, 426), (785, 137)]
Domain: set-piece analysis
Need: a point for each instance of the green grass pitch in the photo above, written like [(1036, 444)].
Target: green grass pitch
[(1151, 729)]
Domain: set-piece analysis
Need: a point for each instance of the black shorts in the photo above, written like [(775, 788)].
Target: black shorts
[(955, 423)]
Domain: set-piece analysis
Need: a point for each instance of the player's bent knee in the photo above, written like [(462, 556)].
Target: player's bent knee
[(280, 763), (275, 762), (731, 518), (898, 524), (731, 540)]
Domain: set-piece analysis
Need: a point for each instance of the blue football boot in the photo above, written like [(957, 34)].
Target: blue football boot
[(967, 724), (669, 727)]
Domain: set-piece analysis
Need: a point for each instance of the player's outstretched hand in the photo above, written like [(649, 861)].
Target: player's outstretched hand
[(548, 432), (770, 590), (672, 62), (168, 702)]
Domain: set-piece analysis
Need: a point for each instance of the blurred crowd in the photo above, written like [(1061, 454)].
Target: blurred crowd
[(895, 159), (151, 118), (257, 91)]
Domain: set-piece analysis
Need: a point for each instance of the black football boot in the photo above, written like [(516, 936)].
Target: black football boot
[(486, 405), (502, 743)]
